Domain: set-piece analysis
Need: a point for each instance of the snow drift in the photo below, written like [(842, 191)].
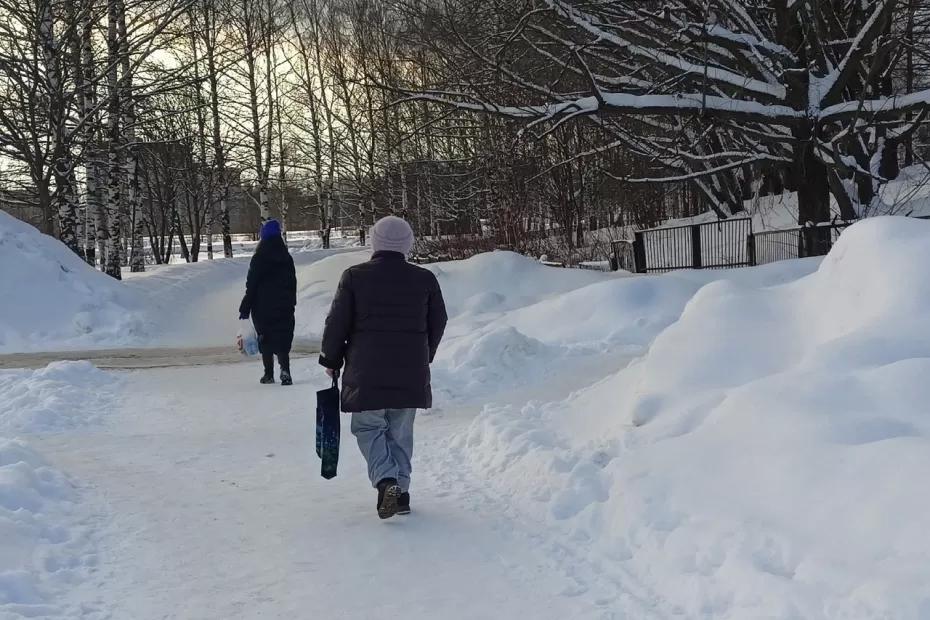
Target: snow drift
[(525, 334), (475, 290), (765, 458), (516, 322), (61, 397), (481, 353), (51, 296), (45, 545), (41, 550)]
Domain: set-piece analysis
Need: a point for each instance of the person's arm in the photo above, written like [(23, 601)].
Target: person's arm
[(251, 283), (436, 318), (338, 324)]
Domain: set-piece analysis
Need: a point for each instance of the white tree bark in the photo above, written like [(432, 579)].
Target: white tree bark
[(130, 151), (62, 160), (113, 264)]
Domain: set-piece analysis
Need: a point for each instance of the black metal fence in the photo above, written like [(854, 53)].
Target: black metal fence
[(712, 245), (801, 242), (723, 245)]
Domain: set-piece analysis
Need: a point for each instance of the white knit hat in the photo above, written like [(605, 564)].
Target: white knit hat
[(392, 234)]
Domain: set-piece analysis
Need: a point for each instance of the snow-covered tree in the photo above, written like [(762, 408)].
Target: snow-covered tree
[(713, 92)]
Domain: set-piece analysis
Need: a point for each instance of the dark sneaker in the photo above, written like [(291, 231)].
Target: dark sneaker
[(403, 504), (267, 380), (388, 495), (286, 378)]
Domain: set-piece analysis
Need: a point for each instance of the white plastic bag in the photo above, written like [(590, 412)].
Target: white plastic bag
[(247, 340)]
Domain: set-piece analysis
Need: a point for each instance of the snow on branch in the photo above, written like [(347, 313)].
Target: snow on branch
[(658, 54), (884, 108), (622, 103)]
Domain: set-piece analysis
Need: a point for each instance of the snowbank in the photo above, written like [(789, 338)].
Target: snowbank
[(766, 458), (45, 543), (522, 345), (316, 286), (42, 551), (50, 296), (481, 353), (475, 290), (61, 397), (197, 305), (627, 311), (515, 322), (54, 301)]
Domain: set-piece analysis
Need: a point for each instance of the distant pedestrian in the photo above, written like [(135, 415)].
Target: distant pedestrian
[(385, 325), (270, 299)]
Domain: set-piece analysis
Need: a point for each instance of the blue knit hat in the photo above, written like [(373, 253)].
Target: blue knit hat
[(271, 229)]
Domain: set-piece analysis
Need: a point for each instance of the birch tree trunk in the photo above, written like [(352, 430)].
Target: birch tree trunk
[(255, 30), (113, 265), (95, 183), (211, 33), (206, 184), (309, 87), (282, 154), (326, 227), (130, 150), (62, 162), (75, 50)]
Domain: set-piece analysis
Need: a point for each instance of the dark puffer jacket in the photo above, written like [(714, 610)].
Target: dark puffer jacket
[(385, 325), (271, 295)]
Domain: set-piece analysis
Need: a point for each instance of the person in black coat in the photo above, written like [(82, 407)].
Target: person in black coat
[(385, 325), (270, 299)]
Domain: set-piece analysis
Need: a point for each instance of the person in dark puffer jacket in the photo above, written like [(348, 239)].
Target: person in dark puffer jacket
[(270, 299), (385, 325)]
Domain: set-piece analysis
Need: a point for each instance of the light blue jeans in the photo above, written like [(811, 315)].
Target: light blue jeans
[(385, 437)]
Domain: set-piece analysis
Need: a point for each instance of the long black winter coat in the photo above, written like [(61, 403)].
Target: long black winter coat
[(271, 295), (385, 325)]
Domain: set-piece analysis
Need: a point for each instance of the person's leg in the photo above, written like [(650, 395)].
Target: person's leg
[(400, 443), (285, 342), (370, 430), (286, 339), (285, 361), (267, 350), (268, 362)]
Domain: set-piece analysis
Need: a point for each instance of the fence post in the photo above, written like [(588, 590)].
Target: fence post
[(639, 252), (696, 261), (751, 249)]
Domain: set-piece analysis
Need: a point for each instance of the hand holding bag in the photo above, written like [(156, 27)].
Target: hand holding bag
[(328, 429), (247, 339)]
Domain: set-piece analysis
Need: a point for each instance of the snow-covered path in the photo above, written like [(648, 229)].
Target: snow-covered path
[(130, 359), (211, 506)]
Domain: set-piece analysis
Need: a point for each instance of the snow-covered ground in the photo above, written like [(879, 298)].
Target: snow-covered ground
[(53, 301), (47, 526), (50, 297), (734, 444), (243, 246), (764, 458)]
